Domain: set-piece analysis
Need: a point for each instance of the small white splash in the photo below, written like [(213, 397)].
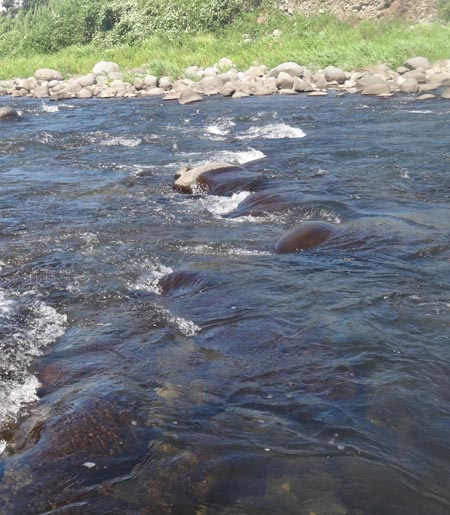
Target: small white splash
[(41, 327), (182, 325), (120, 141), (241, 157), (222, 251), (323, 214), (220, 129), (417, 111), (48, 325), (5, 303), (45, 137), (185, 327), (404, 174), (47, 108), (273, 131), (15, 395), (2, 446), (219, 206), (238, 157), (149, 280), (247, 252)]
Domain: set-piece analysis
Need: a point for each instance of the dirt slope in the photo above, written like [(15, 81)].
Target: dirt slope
[(418, 10)]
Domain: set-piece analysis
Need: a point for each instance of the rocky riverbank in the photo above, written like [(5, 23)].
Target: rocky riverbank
[(419, 10), (418, 76)]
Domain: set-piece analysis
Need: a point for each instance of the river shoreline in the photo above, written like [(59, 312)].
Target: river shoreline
[(417, 76)]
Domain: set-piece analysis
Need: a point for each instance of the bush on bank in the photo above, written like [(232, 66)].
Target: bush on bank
[(46, 27)]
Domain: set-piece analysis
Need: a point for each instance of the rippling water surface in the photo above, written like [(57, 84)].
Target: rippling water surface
[(158, 357)]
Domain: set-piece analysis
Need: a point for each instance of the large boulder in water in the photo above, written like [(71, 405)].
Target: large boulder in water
[(8, 112), (218, 178), (306, 236)]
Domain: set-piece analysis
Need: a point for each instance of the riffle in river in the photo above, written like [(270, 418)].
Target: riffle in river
[(158, 356)]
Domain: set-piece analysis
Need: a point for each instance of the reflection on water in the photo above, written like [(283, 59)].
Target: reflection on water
[(158, 357)]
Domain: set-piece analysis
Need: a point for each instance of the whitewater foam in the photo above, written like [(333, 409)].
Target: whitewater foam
[(28, 325), (149, 280), (222, 250), (5, 303), (120, 141), (184, 326), (272, 131), (47, 108), (220, 129), (418, 111), (219, 206), (239, 157)]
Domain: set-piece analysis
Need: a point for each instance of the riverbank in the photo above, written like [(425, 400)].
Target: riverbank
[(257, 37), (416, 76)]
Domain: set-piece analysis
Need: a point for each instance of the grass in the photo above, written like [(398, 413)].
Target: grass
[(316, 42)]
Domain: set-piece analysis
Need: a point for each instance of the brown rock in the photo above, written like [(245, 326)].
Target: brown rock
[(418, 62), (84, 93), (306, 236), (188, 95), (285, 81), (46, 74), (186, 181), (8, 112), (333, 74), (446, 94), (409, 86), (240, 94), (426, 96), (376, 89), (41, 91), (291, 68)]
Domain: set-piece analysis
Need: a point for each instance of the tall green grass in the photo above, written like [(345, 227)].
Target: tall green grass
[(316, 41)]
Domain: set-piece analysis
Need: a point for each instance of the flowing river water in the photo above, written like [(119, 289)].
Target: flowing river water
[(157, 356)]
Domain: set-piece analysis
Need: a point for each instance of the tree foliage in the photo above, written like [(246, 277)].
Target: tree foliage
[(45, 26)]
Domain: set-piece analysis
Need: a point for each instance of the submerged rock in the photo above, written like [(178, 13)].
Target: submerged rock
[(182, 282), (8, 112), (305, 236)]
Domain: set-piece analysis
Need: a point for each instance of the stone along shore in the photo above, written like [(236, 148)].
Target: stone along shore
[(417, 76)]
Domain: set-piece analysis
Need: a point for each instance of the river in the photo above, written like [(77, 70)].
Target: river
[(158, 357)]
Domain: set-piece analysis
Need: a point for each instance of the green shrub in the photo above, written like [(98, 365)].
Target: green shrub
[(444, 9), (48, 27)]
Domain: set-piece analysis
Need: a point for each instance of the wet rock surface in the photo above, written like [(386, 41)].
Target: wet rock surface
[(306, 236)]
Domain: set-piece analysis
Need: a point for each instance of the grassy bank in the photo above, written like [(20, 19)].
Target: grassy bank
[(317, 41)]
